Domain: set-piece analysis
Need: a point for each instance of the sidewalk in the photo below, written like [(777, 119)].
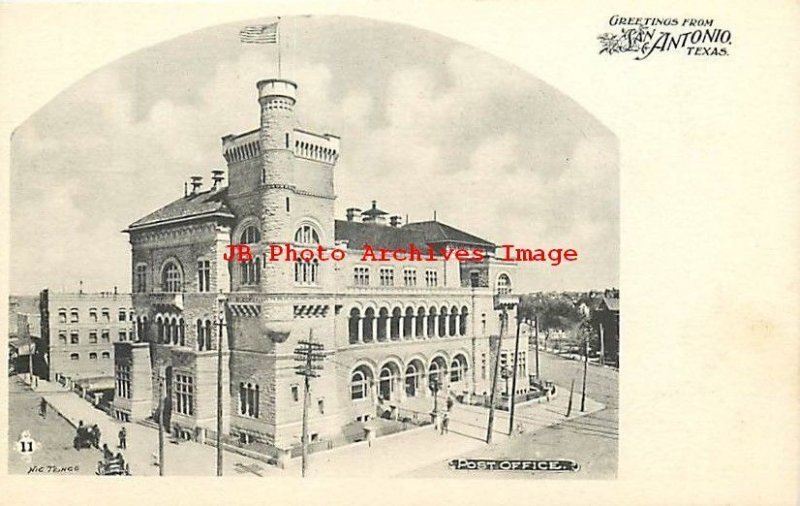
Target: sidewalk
[(186, 458), (403, 452), (388, 456)]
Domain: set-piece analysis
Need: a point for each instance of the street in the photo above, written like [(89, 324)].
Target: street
[(591, 440), (53, 434), (66, 410), (588, 438)]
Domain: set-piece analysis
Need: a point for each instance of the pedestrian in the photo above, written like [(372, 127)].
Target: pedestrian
[(107, 454), (96, 435), (445, 422), (43, 408), (123, 438), (449, 403)]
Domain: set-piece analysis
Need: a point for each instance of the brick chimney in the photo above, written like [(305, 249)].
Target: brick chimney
[(352, 212), (217, 176), (197, 183)]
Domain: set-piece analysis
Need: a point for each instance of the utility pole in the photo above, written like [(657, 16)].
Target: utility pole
[(490, 425), (536, 343), (571, 390), (307, 353), (585, 367), (220, 321), (30, 360), (473, 340), (602, 346), (514, 382), (161, 425)]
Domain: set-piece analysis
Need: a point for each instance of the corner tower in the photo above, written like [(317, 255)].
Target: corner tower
[(277, 98)]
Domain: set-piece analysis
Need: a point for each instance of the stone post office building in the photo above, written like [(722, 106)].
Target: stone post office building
[(387, 327)]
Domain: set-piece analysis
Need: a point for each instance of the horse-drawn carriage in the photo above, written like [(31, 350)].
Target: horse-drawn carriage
[(86, 437), (114, 466)]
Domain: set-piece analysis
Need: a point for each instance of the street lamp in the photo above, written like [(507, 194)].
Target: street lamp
[(434, 386)]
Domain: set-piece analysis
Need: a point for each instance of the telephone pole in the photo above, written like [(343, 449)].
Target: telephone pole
[(490, 425), (514, 382), (536, 343), (585, 367), (220, 323), (307, 353), (161, 425)]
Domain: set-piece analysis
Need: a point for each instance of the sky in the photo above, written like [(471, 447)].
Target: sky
[(427, 124)]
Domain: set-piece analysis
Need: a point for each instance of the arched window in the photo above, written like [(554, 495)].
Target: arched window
[(306, 273), (394, 326), (171, 277), (420, 323), (413, 378), (306, 235), (250, 235), (383, 318), (503, 284), (207, 333), (353, 324), (462, 321), (458, 369), (453, 321), (368, 325), (201, 340), (432, 322), (443, 322), (359, 383), (248, 399), (408, 321), (175, 331), (160, 329), (181, 332)]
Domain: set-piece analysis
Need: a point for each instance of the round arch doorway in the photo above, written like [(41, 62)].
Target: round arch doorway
[(388, 380), (413, 378)]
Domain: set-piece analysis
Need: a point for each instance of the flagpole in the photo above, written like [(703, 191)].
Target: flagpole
[(278, 43)]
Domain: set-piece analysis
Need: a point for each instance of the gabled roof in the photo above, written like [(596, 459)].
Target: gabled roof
[(210, 203), (358, 234), (610, 303), (436, 231)]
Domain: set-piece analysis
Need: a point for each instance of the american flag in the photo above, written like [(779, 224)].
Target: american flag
[(259, 34)]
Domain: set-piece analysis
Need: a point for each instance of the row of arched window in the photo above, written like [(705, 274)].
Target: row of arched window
[(406, 324), (172, 330), (392, 381)]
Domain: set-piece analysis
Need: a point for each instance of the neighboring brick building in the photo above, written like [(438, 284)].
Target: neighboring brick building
[(387, 327), (77, 334)]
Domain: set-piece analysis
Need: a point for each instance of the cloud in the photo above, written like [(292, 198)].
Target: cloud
[(462, 134)]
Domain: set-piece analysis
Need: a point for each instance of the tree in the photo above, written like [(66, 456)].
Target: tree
[(554, 311)]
